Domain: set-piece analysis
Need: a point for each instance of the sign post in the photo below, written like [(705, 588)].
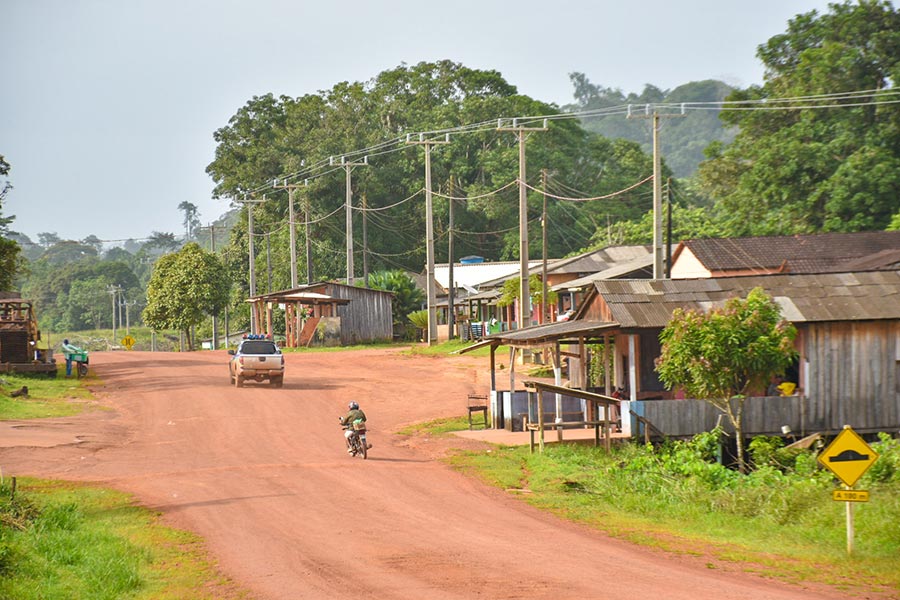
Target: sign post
[(848, 456)]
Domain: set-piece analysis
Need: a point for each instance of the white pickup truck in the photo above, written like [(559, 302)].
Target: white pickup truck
[(258, 358)]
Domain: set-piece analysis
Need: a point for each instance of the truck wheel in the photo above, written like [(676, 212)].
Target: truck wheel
[(277, 382), (238, 381)]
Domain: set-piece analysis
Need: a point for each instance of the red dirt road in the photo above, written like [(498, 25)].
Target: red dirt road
[(263, 476)]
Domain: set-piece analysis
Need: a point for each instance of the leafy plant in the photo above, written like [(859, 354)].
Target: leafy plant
[(725, 354)]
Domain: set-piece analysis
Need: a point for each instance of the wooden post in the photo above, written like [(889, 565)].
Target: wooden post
[(541, 418)]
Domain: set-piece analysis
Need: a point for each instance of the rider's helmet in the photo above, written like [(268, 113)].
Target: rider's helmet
[(353, 406)]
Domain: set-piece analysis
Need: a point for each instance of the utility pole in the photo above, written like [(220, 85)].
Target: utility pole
[(657, 186), (212, 248), (113, 291), (669, 228), (545, 308), (126, 304), (291, 222), (524, 291), (348, 166), (252, 258), (365, 242), (269, 262), (451, 289), (429, 234)]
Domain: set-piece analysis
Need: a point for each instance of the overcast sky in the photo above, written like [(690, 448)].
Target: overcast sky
[(108, 107)]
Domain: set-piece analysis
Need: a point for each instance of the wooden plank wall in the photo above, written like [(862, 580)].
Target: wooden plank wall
[(854, 379), (853, 370), (367, 318)]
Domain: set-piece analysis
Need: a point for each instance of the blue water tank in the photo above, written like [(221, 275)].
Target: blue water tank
[(471, 260)]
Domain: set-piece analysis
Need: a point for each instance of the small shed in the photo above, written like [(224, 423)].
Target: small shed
[(352, 315)]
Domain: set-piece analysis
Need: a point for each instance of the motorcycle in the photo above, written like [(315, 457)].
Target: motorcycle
[(359, 446)]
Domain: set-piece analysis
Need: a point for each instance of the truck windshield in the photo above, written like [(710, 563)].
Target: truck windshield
[(259, 347)]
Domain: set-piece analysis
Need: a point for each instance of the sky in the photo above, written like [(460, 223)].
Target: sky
[(108, 107)]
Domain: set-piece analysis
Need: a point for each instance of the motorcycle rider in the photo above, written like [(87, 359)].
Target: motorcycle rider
[(355, 414)]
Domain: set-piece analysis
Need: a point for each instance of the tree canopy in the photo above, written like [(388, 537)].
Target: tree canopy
[(273, 136), (726, 354), (185, 287), (830, 167)]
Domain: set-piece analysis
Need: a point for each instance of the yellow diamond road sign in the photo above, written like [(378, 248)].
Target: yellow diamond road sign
[(128, 341), (848, 456)]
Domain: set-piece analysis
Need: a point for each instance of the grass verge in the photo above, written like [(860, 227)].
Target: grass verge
[(65, 540), (47, 397)]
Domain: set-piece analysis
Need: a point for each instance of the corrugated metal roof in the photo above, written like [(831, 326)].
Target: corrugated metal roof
[(818, 253), (804, 298), (475, 274), (549, 332)]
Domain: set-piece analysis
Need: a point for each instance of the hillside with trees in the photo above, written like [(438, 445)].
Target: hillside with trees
[(685, 138)]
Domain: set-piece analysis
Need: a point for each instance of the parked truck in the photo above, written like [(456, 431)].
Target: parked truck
[(258, 358), (20, 348)]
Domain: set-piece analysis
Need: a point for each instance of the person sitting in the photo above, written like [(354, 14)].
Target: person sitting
[(355, 415)]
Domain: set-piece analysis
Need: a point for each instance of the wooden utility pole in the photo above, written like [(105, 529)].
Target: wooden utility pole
[(365, 242), (451, 289), (545, 308), (657, 186), (252, 258), (212, 248), (348, 203), (524, 291), (429, 235), (291, 224)]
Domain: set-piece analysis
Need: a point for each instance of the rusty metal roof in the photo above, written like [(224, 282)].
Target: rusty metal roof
[(547, 333), (860, 296), (816, 253)]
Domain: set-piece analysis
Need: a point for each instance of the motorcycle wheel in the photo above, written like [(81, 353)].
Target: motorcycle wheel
[(363, 447)]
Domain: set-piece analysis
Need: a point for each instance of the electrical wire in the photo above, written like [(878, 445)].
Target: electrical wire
[(605, 197)]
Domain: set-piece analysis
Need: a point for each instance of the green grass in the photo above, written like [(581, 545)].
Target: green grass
[(436, 427), (448, 347), (784, 527), (62, 540), (47, 397)]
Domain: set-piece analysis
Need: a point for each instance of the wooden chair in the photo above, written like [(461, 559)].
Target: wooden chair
[(478, 403)]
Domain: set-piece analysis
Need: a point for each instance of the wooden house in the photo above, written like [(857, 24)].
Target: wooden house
[(847, 373), (818, 253)]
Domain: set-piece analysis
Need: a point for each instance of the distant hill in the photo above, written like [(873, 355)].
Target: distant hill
[(682, 140)]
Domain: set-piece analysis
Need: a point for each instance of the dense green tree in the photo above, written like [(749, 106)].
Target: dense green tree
[(271, 136), (161, 241), (10, 263), (726, 354), (68, 251), (94, 242), (191, 219), (73, 296), (810, 170), (5, 187), (407, 297), (186, 286), (48, 239)]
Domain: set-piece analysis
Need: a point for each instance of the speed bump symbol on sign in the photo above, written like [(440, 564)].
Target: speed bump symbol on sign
[(848, 456)]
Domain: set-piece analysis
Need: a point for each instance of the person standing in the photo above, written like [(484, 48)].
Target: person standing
[(68, 350)]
